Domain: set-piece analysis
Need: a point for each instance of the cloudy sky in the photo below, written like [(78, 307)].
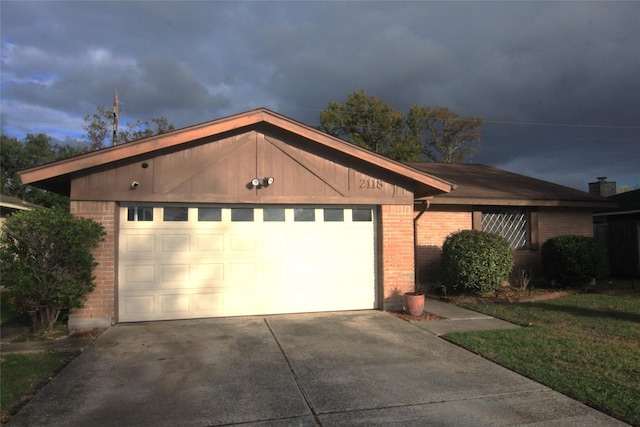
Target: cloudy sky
[(558, 83)]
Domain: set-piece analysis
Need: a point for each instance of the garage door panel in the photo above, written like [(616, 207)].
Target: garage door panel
[(209, 243), (241, 273), (174, 303), (208, 303), (242, 243), (223, 268), (137, 275), (208, 273), (272, 271), (177, 274), (138, 244), (138, 306), (176, 244)]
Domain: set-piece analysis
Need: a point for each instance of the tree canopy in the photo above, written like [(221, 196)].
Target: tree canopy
[(424, 133), (35, 150), (99, 128)]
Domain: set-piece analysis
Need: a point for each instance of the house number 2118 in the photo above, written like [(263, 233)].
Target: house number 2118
[(371, 184)]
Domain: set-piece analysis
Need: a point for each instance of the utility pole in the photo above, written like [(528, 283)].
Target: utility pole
[(115, 119)]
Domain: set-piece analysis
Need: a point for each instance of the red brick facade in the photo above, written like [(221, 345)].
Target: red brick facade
[(396, 243), (99, 307), (439, 221)]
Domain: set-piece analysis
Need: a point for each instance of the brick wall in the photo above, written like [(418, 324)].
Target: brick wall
[(439, 221), (398, 275), (99, 308), (560, 221), (435, 224)]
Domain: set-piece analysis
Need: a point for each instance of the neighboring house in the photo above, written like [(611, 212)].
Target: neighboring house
[(618, 229), (259, 214), (9, 205)]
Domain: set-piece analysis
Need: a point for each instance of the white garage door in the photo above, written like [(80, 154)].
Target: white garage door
[(179, 262)]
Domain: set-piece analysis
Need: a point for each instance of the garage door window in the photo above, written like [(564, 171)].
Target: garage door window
[(140, 213), (273, 214), (241, 215), (361, 215), (209, 214), (333, 215), (304, 214), (175, 214)]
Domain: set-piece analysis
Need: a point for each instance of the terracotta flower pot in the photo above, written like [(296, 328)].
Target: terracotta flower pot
[(413, 303)]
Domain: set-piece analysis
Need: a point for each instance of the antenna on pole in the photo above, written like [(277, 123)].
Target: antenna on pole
[(115, 118)]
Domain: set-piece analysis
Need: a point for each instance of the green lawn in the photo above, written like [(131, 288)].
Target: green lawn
[(586, 346), (23, 374)]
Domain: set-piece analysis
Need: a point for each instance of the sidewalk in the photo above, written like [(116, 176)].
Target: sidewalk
[(457, 319)]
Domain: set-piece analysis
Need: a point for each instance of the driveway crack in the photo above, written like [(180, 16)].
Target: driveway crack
[(294, 375)]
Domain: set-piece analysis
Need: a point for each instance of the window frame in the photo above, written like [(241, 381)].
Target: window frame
[(531, 218)]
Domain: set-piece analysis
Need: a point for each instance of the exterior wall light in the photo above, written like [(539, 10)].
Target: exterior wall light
[(262, 182)]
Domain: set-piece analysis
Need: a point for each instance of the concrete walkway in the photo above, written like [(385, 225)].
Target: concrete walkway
[(457, 319), (364, 368)]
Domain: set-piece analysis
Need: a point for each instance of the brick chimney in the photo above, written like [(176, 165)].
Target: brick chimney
[(602, 187)]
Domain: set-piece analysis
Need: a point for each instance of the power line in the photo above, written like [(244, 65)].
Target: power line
[(562, 125)]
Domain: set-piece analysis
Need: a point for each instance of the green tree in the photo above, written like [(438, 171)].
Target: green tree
[(451, 139), (99, 128), (33, 151), (436, 134), (47, 262), (370, 123)]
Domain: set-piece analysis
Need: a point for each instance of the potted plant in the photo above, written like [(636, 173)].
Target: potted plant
[(413, 302)]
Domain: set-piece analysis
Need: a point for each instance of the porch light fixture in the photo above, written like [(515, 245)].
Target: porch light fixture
[(262, 182)]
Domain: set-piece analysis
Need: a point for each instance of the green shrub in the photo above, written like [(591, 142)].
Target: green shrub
[(475, 262), (47, 262), (573, 260)]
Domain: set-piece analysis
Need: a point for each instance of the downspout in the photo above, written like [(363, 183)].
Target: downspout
[(424, 206)]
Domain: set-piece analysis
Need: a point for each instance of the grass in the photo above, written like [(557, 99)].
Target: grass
[(24, 374), (586, 346)]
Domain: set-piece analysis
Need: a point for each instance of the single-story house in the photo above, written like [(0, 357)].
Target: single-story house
[(10, 205), (259, 214)]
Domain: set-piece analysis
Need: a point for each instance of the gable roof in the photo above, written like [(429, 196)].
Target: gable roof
[(485, 185), (56, 176)]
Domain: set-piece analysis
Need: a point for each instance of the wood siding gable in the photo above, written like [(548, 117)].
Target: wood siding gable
[(221, 171)]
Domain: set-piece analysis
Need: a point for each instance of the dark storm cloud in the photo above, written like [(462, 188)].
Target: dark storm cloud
[(526, 68)]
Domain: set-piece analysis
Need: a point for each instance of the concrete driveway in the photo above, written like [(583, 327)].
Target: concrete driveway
[(349, 368)]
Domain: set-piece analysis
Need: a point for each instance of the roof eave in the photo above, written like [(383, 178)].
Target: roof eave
[(481, 201)]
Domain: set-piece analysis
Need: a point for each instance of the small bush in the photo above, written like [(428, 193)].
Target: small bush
[(573, 260), (47, 262), (475, 262)]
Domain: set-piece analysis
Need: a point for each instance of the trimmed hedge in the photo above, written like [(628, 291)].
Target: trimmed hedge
[(573, 260), (475, 262)]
